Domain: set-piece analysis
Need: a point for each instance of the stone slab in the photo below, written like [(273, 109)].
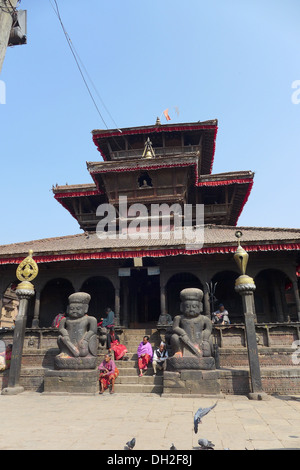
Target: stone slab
[(71, 381)]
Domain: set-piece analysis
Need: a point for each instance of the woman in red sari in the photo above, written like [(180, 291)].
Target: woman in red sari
[(108, 374), (113, 343)]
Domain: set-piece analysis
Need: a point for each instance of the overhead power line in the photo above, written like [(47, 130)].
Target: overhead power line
[(79, 63)]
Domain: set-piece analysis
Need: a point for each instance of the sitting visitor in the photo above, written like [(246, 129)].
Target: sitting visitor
[(160, 357), (108, 321), (57, 320), (108, 374), (113, 343), (145, 354), (5, 358), (221, 316)]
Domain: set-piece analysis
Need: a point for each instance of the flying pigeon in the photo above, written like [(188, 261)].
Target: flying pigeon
[(199, 414), (205, 444), (173, 447), (130, 444)]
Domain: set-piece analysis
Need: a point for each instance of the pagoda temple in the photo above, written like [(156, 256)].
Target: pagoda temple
[(141, 277)]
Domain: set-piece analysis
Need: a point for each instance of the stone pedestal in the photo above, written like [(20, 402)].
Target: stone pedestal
[(190, 362), (71, 381), (192, 382)]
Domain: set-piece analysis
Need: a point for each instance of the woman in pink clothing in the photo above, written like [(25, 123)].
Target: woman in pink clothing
[(145, 355)]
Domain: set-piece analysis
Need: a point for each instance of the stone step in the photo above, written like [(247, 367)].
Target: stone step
[(140, 332), (138, 388), (134, 371), (146, 380)]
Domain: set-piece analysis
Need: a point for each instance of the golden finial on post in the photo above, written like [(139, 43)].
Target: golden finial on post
[(241, 258), (26, 272)]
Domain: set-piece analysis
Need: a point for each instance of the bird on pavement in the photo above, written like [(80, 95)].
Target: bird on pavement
[(173, 447), (130, 444), (205, 444), (200, 413)]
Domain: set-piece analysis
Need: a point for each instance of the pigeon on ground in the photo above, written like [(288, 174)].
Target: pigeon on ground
[(130, 444), (199, 414), (173, 447), (205, 444)]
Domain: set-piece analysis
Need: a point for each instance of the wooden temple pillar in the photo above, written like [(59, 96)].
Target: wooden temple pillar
[(117, 302), (163, 294), (206, 301), (125, 292), (36, 312)]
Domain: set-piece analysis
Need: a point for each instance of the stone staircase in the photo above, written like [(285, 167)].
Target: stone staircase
[(128, 380), (36, 360)]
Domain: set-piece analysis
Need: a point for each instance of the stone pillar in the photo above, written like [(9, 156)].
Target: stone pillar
[(24, 295), (117, 306), (206, 301), (163, 303), (36, 314), (297, 297), (26, 271), (125, 305), (246, 291), (245, 286)]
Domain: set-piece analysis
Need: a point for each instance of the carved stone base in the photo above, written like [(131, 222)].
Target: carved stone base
[(193, 382), (71, 381), (75, 363), (191, 362)]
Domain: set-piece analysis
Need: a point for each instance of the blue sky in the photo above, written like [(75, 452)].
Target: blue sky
[(233, 60)]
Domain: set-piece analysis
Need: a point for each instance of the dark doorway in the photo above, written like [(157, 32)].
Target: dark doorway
[(225, 294), (143, 298), (102, 294), (54, 300), (274, 297), (177, 283)]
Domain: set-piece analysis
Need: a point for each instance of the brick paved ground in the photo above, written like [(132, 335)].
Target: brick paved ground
[(38, 421)]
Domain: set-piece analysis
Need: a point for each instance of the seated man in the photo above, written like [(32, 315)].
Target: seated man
[(109, 319), (145, 354), (160, 357), (221, 316)]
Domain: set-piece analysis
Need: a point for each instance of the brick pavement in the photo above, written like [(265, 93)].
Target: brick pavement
[(34, 421)]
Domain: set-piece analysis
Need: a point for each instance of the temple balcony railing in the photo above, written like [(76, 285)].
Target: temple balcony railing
[(159, 152)]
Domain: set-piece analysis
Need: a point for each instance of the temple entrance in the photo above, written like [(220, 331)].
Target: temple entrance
[(102, 294), (224, 283), (143, 298), (175, 284), (274, 297), (54, 300)]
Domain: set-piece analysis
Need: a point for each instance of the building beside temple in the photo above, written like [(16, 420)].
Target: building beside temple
[(140, 278)]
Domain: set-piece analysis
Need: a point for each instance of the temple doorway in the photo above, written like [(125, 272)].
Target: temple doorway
[(143, 298), (102, 294), (224, 283), (177, 283), (54, 300), (274, 297)]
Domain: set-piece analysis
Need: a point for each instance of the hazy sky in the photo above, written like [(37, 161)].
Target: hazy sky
[(233, 60)]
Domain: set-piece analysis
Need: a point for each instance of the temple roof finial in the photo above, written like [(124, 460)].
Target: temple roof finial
[(148, 151)]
